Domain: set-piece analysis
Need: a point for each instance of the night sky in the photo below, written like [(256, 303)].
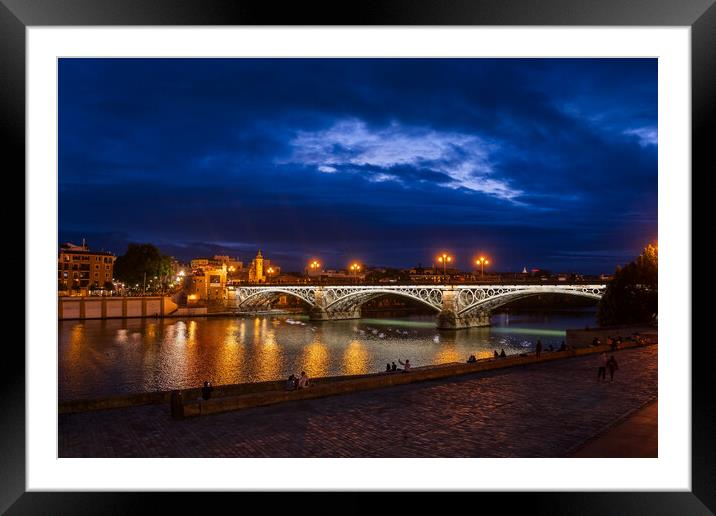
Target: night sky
[(548, 163)]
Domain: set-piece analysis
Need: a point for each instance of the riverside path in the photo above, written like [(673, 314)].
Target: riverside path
[(545, 409)]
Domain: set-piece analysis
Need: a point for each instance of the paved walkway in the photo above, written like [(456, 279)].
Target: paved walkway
[(540, 410), (636, 436)]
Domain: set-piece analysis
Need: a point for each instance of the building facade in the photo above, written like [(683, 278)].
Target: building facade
[(208, 284), (80, 271)]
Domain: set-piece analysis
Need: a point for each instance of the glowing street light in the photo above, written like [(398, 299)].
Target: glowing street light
[(482, 261), (314, 265), (269, 272), (444, 259), (355, 269)]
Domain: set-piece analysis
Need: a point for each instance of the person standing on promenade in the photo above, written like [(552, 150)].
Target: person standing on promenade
[(602, 371), (612, 366), (538, 348)]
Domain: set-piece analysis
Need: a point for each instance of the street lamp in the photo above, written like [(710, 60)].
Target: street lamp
[(482, 261), (444, 259), (314, 265), (269, 272), (355, 268)]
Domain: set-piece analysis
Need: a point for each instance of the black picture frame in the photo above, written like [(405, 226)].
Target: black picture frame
[(700, 15)]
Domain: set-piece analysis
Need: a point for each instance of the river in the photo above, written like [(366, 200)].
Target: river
[(120, 356)]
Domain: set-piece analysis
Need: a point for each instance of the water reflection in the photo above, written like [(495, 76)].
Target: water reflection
[(315, 358), (99, 358), (355, 358)]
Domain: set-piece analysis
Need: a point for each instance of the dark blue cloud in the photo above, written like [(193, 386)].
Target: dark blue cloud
[(537, 162)]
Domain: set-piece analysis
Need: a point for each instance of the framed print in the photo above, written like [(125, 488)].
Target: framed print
[(295, 240)]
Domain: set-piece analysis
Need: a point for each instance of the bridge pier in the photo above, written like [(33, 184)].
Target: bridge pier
[(449, 317), (319, 312), (452, 321)]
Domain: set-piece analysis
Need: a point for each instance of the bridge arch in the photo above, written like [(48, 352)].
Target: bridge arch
[(429, 297), (252, 295), (491, 299)]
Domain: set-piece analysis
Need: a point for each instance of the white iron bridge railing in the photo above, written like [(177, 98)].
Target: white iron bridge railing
[(470, 297), (466, 297)]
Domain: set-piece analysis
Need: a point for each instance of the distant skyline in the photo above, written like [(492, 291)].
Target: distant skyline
[(548, 163)]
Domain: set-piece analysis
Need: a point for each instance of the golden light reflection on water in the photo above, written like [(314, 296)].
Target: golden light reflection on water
[(242, 332), (180, 337), (229, 363), (77, 339), (448, 351), (355, 358), (315, 358), (150, 334), (268, 354), (191, 333), (174, 362)]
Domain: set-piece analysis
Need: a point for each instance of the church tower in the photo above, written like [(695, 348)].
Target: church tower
[(259, 268)]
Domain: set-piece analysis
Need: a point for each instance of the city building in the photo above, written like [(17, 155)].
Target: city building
[(81, 271), (208, 284)]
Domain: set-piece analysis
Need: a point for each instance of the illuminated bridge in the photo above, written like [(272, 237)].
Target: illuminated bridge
[(457, 306)]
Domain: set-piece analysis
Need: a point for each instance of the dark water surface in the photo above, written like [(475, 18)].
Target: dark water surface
[(119, 356)]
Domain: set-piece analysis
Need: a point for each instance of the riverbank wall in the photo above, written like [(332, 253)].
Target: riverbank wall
[(245, 395), (114, 307)]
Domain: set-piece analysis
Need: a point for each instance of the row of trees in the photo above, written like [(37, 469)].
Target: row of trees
[(141, 264), (631, 296)]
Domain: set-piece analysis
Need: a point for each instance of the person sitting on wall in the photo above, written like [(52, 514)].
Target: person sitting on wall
[(206, 391), (406, 365), (387, 368), (471, 359), (303, 380), (291, 383), (503, 354), (393, 366)]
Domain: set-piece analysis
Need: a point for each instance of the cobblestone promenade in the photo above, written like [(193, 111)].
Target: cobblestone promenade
[(539, 410)]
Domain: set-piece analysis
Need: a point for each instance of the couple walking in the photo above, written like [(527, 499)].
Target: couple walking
[(607, 364)]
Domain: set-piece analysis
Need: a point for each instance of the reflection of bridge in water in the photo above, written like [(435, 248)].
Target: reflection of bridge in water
[(457, 306)]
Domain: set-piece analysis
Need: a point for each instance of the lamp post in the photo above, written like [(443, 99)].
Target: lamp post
[(314, 265), (269, 272), (444, 259), (482, 261), (355, 268)]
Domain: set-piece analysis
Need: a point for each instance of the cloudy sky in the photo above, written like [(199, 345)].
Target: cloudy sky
[(547, 163)]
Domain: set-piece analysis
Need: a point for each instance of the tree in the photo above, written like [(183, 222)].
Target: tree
[(141, 260), (631, 296)]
